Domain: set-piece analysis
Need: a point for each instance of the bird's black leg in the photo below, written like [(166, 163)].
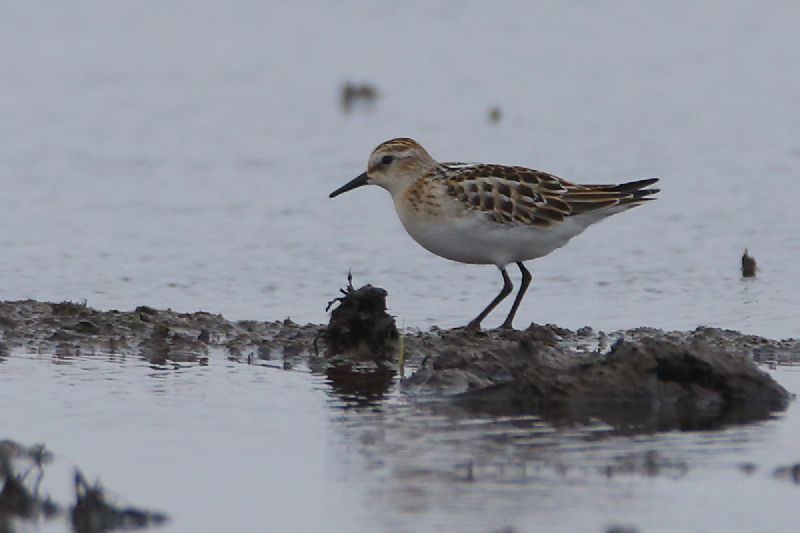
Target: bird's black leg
[(475, 324), (526, 280)]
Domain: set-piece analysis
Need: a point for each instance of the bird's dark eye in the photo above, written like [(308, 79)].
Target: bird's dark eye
[(387, 159)]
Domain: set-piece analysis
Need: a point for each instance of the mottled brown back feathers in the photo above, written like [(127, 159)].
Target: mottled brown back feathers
[(527, 196)]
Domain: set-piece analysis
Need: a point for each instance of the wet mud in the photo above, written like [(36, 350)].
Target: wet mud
[(644, 378), (641, 378)]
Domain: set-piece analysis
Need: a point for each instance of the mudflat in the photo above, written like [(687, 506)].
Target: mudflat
[(645, 376)]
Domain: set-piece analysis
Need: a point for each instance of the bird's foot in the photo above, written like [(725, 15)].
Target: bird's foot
[(473, 326)]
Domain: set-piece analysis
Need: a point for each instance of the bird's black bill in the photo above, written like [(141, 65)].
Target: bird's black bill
[(358, 182)]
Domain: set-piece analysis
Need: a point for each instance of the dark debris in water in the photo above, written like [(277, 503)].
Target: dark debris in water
[(22, 471), (748, 265), (19, 495), (353, 94), (621, 528), (789, 473), (94, 512), (748, 468)]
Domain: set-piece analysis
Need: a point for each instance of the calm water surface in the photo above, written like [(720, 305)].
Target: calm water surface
[(180, 155)]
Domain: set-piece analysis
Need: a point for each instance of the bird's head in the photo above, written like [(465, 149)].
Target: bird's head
[(393, 165)]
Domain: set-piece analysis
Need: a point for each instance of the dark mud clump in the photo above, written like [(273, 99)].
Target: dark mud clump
[(359, 324), (748, 265), (360, 345)]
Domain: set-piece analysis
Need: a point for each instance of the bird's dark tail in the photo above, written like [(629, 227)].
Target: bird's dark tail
[(584, 198)]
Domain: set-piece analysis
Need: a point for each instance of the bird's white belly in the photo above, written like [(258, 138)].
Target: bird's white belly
[(477, 240)]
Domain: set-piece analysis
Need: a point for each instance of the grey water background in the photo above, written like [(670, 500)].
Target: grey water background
[(179, 154)]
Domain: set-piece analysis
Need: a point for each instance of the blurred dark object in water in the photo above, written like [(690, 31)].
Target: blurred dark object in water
[(93, 513), (19, 493), (15, 498), (748, 265), (359, 325), (617, 528), (790, 472), (353, 93), (495, 114), (748, 468)]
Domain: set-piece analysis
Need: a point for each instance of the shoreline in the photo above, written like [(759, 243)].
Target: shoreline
[(643, 376)]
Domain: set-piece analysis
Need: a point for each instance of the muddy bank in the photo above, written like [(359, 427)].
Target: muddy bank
[(162, 337), (644, 376), (641, 377)]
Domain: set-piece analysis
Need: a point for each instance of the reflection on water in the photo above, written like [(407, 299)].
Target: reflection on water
[(632, 418), (360, 385)]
